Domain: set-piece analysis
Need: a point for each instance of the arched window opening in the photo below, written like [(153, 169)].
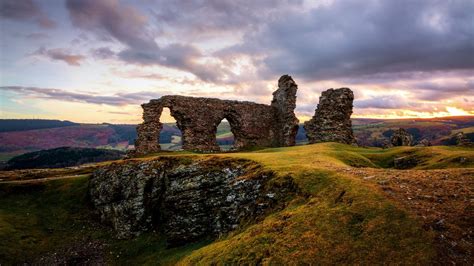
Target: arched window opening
[(224, 136), (301, 138), (170, 135)]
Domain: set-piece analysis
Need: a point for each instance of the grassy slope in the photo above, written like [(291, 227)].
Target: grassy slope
[(339, 219), (39, 218), (361, 227)]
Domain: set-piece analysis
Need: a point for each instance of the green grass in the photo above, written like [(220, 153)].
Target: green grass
[(336, 219), (45, 217), (361, 227), (35, 218)]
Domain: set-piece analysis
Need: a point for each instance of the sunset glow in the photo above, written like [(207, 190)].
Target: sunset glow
[(97, 61)]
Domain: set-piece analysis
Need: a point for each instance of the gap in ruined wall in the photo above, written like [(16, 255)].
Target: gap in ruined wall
[(301, 138), (170, 135), (225, 138)]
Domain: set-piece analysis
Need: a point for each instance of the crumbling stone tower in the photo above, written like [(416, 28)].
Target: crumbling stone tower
[(252, 124), (332, 118)]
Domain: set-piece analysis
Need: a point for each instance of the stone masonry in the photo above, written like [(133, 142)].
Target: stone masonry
[(332, 118), (252, 124)]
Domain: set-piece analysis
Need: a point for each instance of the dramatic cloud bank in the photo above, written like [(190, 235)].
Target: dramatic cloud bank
[(401, 57), (118, 99)]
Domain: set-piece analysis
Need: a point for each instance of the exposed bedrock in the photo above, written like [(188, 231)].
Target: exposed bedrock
[(332, 118), (186, 199), (252, 124)]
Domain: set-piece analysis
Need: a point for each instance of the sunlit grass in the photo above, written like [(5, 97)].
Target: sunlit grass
[(335, 219)]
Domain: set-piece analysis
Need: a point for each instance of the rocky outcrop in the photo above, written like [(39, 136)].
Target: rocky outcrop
[(186, 199), (462, 140), (424, 143), (332, 118), (401, 137), (405, 162), (252, 124)]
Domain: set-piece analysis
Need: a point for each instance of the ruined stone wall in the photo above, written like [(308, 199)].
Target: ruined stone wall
[(252, 124), (284, 100), (332, 118)]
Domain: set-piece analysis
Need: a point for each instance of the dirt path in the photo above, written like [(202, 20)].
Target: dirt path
[(442, 199)]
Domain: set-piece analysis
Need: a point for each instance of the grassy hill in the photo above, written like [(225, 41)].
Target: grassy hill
[(7, 125), (372, 132), (351, 210)]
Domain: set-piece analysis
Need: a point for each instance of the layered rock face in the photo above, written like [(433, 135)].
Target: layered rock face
[(186, 199), (332, 118), (252, 124), (401, 137)]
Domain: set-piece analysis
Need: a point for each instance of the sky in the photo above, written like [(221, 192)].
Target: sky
[(96, 61)]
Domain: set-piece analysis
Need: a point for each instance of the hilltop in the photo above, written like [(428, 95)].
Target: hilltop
[(352, 207)]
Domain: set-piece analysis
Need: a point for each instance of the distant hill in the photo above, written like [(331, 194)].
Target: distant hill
[(368, 132), (7, 125), (62, 157), (372, 132)]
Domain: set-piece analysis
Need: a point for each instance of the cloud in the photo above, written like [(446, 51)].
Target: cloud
[(109, 18), (435, 91), (103, 53), (118, 99), (37, 36), (206, 18), (384, 102), (25, 10), (353, 38), (60, 55), (125, 24)]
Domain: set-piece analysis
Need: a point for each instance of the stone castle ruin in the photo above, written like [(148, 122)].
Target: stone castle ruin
[(253, 125), (332, 118)]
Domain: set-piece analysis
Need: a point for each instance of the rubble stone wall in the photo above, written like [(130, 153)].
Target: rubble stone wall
[(252, 124), (332, 118)]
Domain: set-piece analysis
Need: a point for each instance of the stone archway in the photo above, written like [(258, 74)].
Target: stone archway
[(170, 138), (224, 136), (253, 124)]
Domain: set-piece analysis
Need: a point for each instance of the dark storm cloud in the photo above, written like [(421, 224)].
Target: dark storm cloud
[(25, 10), (127, 25), (351, 38), (118, 99), (60, 55), (353, 41)]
